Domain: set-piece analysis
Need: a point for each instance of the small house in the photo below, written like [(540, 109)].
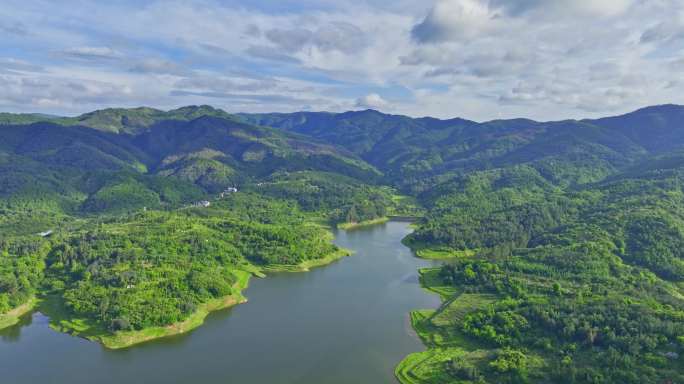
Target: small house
[(228, 191)]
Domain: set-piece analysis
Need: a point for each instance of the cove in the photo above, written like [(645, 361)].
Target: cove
[(344, 323)]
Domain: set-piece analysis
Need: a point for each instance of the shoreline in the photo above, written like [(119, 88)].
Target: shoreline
[(404, 371), (361, 224), (306, 266), (12, 317), (125, 339), (434, 328), (60, 321), (82, 328)]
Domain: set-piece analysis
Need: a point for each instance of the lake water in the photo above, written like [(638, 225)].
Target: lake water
[(344, 323)]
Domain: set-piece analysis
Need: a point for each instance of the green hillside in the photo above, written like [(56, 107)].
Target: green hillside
[(561, 241), (119, 120), (572, 230)]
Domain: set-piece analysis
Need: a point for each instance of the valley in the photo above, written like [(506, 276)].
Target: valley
[(556, 246)]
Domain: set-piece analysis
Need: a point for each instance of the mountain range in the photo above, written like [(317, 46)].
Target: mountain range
[(564, 240), (207, 149)]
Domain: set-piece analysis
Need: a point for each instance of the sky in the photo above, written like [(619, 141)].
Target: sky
[(476, 59)]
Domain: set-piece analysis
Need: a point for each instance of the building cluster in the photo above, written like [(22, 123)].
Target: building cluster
[(227, 192), (207, 204)]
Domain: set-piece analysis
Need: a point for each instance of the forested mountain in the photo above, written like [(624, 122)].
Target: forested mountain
[(103, 170), (151, 218), (562, 240), (420, 153), (119, 120)]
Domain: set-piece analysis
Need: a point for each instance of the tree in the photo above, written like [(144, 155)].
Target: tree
[(510, 360), (120, 324), (352, 215)]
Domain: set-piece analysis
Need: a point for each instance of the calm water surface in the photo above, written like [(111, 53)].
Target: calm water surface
[(344, 323)]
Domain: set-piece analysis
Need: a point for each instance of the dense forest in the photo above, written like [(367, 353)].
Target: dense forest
[(561, 241)]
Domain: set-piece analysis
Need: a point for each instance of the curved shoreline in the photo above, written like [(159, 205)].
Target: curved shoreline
[(121, 340), (60, 322), (361, 224), (306, 266), (127, 339), (13, 316), (375, 284), (404, 370)]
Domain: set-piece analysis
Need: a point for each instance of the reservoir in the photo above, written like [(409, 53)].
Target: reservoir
[(343, 323)]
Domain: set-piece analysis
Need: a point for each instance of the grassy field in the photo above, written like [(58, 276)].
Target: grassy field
[(430, 280), (307, 265), (444, 254), (440, 332), (428, 367), (12, 317)]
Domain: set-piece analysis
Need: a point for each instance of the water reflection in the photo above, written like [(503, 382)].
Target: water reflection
[(344, 323), (13, 334)]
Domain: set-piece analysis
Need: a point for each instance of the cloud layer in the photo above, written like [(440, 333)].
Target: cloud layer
[(479, 59)]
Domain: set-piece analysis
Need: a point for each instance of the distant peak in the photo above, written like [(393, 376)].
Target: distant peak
[(364, 112), (374, 112), (661, 108), (195, 108), (122, 110)]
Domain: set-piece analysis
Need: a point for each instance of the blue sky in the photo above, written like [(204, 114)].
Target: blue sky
[(478, 59)]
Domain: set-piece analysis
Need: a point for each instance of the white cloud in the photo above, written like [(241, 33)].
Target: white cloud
[(459, 20), (60, 93), (159, 66), (599, 8), (478, 59), (456, 20), (373, 101), (666, 31), (564, 8), (13, 65), (91, 53), (336, 35)]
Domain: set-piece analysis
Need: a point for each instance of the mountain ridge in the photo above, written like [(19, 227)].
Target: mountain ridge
[(193, 111)]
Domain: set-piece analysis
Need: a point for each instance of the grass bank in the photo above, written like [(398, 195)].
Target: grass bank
[(444, 254), (61, 320), (309, 264), (12, 317), (439, 330), (361, 224)]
